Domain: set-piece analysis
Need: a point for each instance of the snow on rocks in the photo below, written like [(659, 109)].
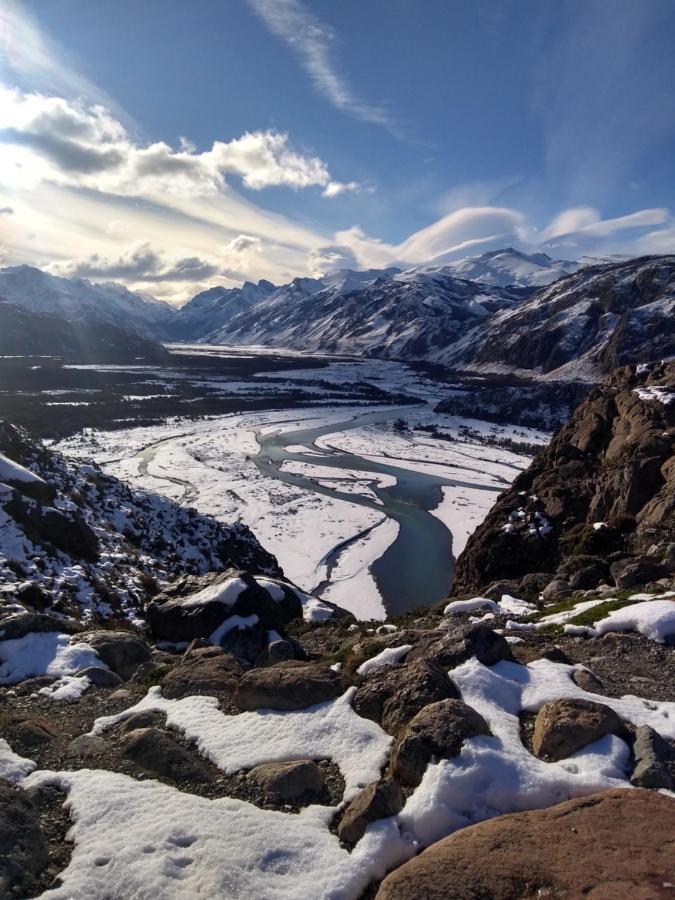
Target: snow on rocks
[(13, 767), (329, 730), (67, 688), (44, 653), (508, 604), (387, 657), (654, 392), (496, 774), (653, 618)]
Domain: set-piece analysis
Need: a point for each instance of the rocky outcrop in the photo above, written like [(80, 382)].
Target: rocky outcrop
[(604, 489), (122, 651), (613, 844), (202, 607), (80, 536)]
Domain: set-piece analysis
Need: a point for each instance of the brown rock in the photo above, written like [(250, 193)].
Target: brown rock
[(439, 731), (616, 844), (204, 670), (564, 726), (161, 753), (288, 780), (121, 651), (379, 800), (28, 731), (288, 685), (457, 645), (394, 695)]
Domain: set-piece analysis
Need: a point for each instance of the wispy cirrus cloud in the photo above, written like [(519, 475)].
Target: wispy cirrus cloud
[(312, 41)]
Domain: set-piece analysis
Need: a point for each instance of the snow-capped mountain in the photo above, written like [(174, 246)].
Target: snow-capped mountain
[(510, 267), (411, 315), (79, 299), (583, 325), (213, 308)]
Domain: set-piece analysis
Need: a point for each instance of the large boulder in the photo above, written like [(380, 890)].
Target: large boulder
[(288, 685), (564, 726), (456, 645), (23, 849), (203, 670), (437, 732), (394, 695), (616, 844), (201, 607), (288, 780), (378, 800), (121, 651)]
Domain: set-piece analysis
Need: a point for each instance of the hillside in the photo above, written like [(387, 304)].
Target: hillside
[(584, 325), (25, 333), (77, 299), (598, 501)]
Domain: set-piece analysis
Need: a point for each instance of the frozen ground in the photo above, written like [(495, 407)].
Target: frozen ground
[(309, 499)]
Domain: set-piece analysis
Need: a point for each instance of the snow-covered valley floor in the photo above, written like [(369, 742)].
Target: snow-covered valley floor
[(329, 490)]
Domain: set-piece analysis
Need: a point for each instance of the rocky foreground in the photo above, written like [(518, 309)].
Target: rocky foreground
[(179, 720)]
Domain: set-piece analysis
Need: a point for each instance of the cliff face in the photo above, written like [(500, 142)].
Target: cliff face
[(601, 492)]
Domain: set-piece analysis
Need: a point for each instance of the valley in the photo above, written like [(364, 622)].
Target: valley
[(345, 478)]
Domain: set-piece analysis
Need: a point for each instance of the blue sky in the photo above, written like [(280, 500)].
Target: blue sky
[(174, 145)]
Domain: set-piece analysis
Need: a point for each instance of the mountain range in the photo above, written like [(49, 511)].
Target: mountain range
[(501, 312)]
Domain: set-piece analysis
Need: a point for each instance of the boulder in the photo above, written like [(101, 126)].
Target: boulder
[(652, 754), (438, 731), (533, 583), (204, 670), (557, 589), (121, 651), (378, 800), (564, 726), (149, 718), (23, 849), (159, 752), (588, 577), (89, 746), (197, 607), (17, 622), (587, 681), (457, 645), (615, 844), (394, 695), (497, 589), (100, 677), (288, 685), (27, 731), (629, 572), (288, 780)]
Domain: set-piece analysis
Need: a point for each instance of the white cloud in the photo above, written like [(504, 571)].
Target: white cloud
[(72, 143), (312, 41), (587, 221)]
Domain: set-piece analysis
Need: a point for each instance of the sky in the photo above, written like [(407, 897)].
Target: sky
[(174, 146)]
